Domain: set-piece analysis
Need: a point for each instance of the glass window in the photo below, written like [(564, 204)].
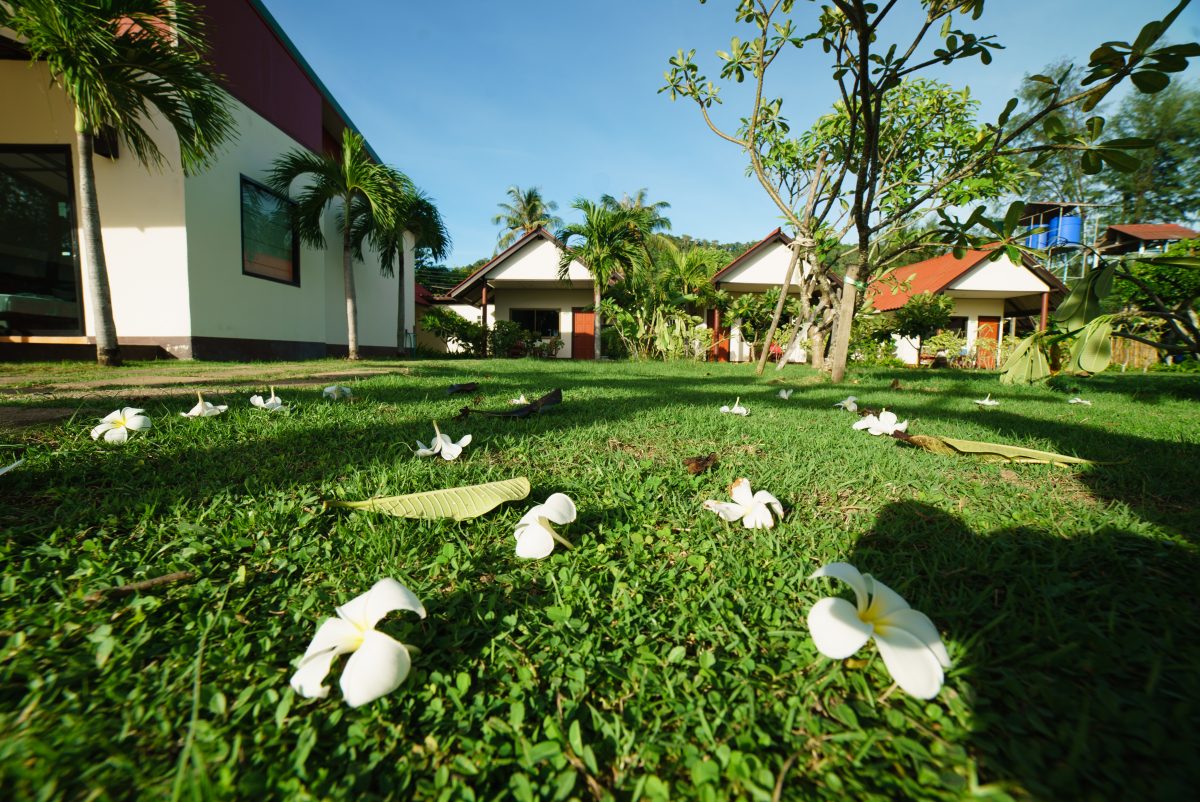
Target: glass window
[(543, 322), (270, 248), (39, 264)]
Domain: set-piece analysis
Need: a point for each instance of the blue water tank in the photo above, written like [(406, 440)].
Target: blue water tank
[(1065, 231), (1037, 240)]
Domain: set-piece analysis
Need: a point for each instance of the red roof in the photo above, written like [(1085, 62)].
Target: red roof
[(932, 275), (1155, 231), (422, 295)]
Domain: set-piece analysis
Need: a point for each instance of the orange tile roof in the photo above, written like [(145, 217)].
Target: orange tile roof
[(1155, 231), (932, 275)]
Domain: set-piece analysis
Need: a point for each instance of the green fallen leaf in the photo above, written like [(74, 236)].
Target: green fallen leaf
[(458, 503), (990, 452)]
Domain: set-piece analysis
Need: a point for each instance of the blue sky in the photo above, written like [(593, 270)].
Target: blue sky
[(471, 97)]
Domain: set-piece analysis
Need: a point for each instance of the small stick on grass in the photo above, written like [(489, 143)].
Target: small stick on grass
[(144, 584)]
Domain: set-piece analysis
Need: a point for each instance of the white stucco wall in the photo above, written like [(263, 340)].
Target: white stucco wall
[(767, 267), (141, 208), (564, 300), (970, 308), (1002, 276), (537, 260)]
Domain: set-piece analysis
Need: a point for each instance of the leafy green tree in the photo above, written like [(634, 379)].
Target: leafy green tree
[(1165, 187), (609, 242), (118, 61), (850, 165), (359, 189), (527, 211), (921, 317), (653, 221)]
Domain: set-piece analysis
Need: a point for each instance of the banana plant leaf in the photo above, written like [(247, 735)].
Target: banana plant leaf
[(457, 503), (549, 399), (987, 452)]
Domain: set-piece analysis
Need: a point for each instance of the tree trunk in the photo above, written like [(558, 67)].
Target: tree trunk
[(351, 298), (596, 315), (783, 294), (841, 332), (401, 340), (108, 352)]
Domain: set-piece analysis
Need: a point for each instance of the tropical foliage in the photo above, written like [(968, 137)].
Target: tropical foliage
[(119, 62), (526, 211)]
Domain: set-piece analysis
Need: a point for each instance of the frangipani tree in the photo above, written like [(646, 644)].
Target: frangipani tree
[(124, 64), (358, 187), (846, 179)]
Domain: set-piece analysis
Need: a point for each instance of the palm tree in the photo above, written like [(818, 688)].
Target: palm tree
[(359, 186), (608, 242), (688, 270), (118, 60), (653, 220), (417, 215), (527, 212)]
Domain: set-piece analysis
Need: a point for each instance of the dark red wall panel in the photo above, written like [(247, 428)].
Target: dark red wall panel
[(259, 71)]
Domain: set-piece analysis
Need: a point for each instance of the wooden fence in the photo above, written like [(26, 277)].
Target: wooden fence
[(1132, 354)]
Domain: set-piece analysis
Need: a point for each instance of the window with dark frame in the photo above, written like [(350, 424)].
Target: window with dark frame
[(39, 259), (958, 326), (270, 243), (543, 322)]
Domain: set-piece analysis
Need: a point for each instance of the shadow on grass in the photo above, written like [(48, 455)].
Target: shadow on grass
[(1081, 654)]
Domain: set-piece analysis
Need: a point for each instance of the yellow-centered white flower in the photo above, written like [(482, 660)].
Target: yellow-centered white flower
[(786, 394), (987, 402), (737, 408), (116, 425), (442, 444), (336, 391), (1078, 400), (752, 509), (850, 404), (908, 641), (204, 409), (535, 535), (272, 404), (377, 664), (885, 423)]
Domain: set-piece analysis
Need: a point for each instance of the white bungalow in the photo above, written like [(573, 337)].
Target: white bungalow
[(987, 295), (759, 269), (522, 284), (200, 266)]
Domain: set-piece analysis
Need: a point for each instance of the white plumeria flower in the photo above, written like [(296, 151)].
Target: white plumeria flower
[(737, 408), (535, 536), (753, 509), (850, 404), (8, 468), (336, 391), (1078, 400), (204, 409), (786, 394), (518, 400), (272, 404), (442, 444), (378, 663), (908, 641), (885, 423), (987, 402), (116, 425)]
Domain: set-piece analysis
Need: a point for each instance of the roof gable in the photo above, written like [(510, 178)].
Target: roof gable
[(534, 257), (731, 271), (932, 275)]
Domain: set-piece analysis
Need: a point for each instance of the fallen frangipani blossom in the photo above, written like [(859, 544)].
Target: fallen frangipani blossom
[(737, 408), (116, 425), (520, 400), (272, 404), (850, 404), (8, 468), (204, 409), (336, 391), (987, 402), (378, 663), (442, 444), (908, 641), (535, 536), (1078, 400), (753, 509), (786, 394), (884, 423)]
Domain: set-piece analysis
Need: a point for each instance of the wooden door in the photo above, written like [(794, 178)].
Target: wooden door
[(720, 347), (583, 334), (987, 337)]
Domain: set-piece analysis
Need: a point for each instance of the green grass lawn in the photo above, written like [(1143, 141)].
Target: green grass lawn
[(666, 655)]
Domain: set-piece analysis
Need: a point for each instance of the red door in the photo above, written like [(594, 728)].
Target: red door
[(583, 334), (986, 342)]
